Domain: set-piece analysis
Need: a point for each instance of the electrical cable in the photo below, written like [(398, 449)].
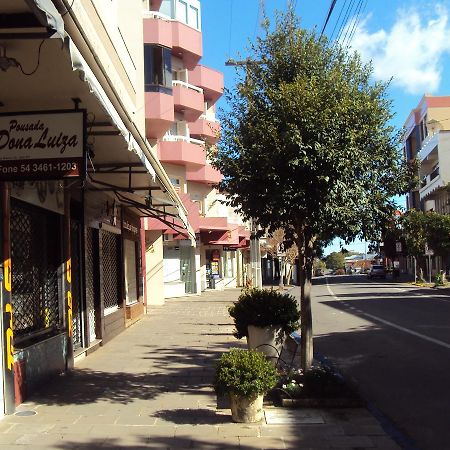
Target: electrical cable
[(338, 19), (37, 64), (357, 21), (330, 11), (345, 20)]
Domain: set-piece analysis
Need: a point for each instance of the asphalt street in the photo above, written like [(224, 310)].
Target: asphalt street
[(392, 341)]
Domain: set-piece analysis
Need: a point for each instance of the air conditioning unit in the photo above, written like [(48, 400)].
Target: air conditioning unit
[(167, 237)]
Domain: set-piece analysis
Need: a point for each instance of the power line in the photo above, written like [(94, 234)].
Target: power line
[(362, 6), (345, 20), (338, 20), (330, 11)]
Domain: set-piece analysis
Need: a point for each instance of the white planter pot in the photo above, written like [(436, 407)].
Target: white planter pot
[(265, 340), (246, 410)]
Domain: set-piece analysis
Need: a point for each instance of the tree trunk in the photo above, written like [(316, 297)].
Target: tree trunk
[(305, 244)]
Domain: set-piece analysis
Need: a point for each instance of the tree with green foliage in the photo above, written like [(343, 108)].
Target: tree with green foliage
[(319, 265), (307, 146), (438, 233), (421, 229), (335, 260)]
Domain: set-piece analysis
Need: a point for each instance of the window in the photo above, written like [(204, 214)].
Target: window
[(193, 18), (157, 69), (176, 184), (423, 130), (182, 11), (167, 8)]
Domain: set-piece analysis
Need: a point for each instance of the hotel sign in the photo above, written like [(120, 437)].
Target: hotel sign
[(42, 145)]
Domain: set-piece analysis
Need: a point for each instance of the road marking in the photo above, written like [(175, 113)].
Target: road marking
[(397, 327)]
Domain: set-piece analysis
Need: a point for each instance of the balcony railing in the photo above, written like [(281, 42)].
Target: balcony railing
[(156, 15), (428, 145), (209, 118), (179, 138), (434, 174), (431, 183), (187, 86)]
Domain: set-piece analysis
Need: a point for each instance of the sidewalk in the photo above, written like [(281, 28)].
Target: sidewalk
[(150, 388)]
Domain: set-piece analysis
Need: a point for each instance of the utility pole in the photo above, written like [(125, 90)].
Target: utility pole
[(255, 249)]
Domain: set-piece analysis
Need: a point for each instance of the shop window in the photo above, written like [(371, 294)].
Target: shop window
[(36, 259), (157, 69), (111, 263)]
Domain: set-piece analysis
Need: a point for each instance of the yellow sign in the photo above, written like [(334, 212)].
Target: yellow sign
[(69, 270), (9, 339), (7, 274), (69, 313)]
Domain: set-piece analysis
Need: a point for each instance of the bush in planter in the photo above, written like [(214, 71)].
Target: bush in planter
[(245, 375), (263, 308)]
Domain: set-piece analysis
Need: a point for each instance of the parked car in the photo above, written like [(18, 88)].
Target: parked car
[(377, 271)]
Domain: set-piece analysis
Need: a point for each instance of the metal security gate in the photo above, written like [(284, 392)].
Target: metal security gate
[(91, 277), (77, 302), (36, 257), (111, 271)]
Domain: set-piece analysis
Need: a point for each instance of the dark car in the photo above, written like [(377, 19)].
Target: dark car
[(377, 271)]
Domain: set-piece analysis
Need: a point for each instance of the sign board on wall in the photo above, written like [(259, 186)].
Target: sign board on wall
[(42, 145)]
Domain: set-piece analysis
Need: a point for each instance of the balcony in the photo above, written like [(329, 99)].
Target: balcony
[(186, 44), (159, 114), (428, 146), (188, 99), (205, 175), (210, 80), (183, 151), (157, 29), (206, 129), (431, 183)]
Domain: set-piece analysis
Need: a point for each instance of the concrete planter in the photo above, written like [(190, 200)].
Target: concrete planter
[(265, 340), (246, 410)]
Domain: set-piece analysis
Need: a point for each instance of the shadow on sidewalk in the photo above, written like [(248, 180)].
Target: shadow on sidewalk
[(170, 370)]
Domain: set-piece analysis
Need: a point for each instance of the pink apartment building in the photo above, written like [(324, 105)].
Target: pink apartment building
[(180, 104)]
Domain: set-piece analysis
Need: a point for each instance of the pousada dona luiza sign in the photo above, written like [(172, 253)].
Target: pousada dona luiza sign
[(42, 145)]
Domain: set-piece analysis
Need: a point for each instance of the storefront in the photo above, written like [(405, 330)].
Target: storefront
[(76, 176)]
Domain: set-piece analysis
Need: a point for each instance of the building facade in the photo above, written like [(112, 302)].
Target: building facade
[(180, 100), (428, 139), (77, 175)]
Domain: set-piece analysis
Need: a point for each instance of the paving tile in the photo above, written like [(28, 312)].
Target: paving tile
[(262, 443), (97, 420), (292, 416), (241, 430), (293, 441), (136, 420), (347, 442)]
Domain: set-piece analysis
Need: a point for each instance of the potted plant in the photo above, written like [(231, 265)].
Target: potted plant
[(246, 375), (265, 317)]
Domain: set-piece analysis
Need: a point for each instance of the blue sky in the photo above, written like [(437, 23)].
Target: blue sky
[(408, 41)]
